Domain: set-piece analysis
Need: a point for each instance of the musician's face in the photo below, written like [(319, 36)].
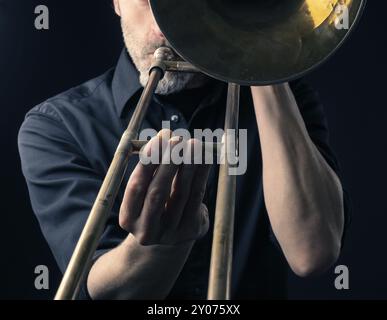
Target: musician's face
[(142, 37)]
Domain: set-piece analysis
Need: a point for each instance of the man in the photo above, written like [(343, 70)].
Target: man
[(156, 244)]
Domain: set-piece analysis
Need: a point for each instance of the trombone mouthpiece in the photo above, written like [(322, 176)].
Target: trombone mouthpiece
[(164, 54)]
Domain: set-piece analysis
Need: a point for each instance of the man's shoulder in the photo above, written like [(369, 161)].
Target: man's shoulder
[(74, 99)]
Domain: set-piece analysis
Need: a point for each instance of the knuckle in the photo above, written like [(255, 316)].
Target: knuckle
[(123, 220), (154, 196), (135, 188), (165, 133)]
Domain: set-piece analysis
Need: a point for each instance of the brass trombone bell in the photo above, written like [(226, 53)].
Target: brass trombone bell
[(256, 42)]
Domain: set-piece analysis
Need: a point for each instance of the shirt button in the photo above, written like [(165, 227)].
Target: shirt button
[(175, 118)]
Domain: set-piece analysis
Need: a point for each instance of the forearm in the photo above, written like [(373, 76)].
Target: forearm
[(302, 194), (133, 271)]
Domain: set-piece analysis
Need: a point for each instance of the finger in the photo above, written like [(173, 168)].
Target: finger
[(180, 191), (202, 170), (198, 188), (199, 184), (158, 193), (139, 181)]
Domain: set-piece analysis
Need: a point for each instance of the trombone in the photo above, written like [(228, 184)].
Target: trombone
[(242, 43)]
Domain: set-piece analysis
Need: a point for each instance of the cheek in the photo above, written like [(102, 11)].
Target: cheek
[(137, 16), (135, 10)]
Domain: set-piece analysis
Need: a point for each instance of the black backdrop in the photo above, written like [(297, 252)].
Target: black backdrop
[(84, 40)]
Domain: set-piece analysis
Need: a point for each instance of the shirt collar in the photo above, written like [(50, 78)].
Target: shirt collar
[(125, 83)]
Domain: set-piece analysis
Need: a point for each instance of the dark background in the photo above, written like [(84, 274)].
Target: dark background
[(84, 40)]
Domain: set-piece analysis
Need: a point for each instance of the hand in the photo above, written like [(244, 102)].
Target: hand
[(163, 202)]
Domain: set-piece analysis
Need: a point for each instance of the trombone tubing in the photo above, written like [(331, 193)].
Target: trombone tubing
[(93, 229), (219, 286)]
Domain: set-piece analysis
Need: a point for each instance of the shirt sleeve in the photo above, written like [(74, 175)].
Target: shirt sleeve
[(62, 186)]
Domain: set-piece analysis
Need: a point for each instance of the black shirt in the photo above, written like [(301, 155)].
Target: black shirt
[(67, 143)]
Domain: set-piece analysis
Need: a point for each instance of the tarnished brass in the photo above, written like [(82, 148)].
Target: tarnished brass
[(256, 42)]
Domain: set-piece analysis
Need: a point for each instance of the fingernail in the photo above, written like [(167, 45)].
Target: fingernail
[(176, 139)]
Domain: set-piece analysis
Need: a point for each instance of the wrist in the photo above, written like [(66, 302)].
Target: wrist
[(270, 94), (159, 251), (276, 103)]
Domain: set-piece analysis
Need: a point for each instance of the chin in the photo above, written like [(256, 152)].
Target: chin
[(171, 83)]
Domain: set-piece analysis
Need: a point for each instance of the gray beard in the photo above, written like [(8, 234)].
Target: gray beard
[(172, 82)]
